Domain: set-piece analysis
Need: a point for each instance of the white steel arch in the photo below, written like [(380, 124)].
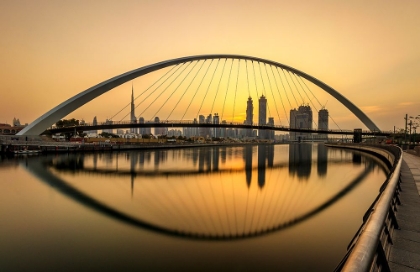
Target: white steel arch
[(49, 118)]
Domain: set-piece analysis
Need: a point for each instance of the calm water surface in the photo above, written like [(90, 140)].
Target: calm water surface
[(247, 208)]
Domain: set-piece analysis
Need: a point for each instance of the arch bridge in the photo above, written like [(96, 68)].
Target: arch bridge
[(282, 86)]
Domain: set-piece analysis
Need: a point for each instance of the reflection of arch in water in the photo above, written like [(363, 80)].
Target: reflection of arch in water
[(39, 169)]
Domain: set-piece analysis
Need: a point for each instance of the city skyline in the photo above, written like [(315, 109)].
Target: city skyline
[(366, 51)]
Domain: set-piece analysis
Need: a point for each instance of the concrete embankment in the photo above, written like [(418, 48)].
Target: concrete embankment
[(58, 147)]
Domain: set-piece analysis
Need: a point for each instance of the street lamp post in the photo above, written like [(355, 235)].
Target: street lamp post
[(410, 124), (414, 125), (405, 130)]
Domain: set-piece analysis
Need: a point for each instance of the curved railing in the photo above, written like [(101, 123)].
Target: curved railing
[(369, 249)]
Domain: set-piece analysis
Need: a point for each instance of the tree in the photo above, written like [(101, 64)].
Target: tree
[(67, 123), (109, 135)]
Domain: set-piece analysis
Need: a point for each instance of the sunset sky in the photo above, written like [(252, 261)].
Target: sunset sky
[(369, 51)]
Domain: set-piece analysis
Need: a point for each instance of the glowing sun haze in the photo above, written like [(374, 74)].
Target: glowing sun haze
[(52, 50)]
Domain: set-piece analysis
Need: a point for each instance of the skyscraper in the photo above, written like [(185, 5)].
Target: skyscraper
[(270, 133), (160, 130), (209, 120), (223, 131), (201, 130), (216, 120), (323, 122), (262, 116), (301, 119), (94, 123), (133, 118), (249, 116), (144, 130)]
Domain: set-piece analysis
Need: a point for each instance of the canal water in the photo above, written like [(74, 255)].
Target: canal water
[(231, 208)]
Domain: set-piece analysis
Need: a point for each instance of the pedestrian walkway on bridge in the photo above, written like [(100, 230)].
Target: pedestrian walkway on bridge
[(405, 252)]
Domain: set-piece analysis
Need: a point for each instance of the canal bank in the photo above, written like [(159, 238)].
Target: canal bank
[(397, 245), (11, 145)]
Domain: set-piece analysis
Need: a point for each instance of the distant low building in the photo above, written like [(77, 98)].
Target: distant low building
[(7, 129)]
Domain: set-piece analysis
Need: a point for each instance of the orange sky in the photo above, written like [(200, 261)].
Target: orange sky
[(366, 50)]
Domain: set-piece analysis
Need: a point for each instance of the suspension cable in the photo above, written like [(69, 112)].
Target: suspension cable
[(285, 92), (271, 89), (310, 100), (278, 91), (255, 78), (294, 84), (264, 90), (303, 101), (186, 89), (290, 88), (218, 86), (320, 103), (189, 63), (159, 87), (227, 89), (247, 78), (176, 88), (196, 91), (173, 67), (236, 90)]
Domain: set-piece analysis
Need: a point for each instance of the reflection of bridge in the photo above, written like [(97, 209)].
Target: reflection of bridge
[(212, 84), (269, 219), (300, 157), (188, 123)]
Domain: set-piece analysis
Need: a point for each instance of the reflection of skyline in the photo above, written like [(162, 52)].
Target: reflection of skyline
[(322, 162), (262, 155), (300, 159), (248, 164), (208, 160)]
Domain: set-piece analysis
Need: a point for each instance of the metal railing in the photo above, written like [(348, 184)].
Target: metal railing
[(191, 123), (370, 247)]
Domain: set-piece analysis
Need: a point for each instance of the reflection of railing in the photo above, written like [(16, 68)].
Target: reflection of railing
[(369, 249)]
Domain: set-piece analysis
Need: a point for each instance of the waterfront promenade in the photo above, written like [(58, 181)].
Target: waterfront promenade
[(405, 251)]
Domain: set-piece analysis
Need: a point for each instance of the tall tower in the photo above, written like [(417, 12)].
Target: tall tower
[(323, 121), (216, 120), (142, 130), (201, 130), (95, 123), (262, 116), (293, 124), (301, 119), (270, 133), (133, 118), (249, 116)]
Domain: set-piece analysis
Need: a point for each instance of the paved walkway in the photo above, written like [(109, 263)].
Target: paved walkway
[(405, 252)]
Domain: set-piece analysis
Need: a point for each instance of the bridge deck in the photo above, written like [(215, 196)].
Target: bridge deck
[(405, 252)]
